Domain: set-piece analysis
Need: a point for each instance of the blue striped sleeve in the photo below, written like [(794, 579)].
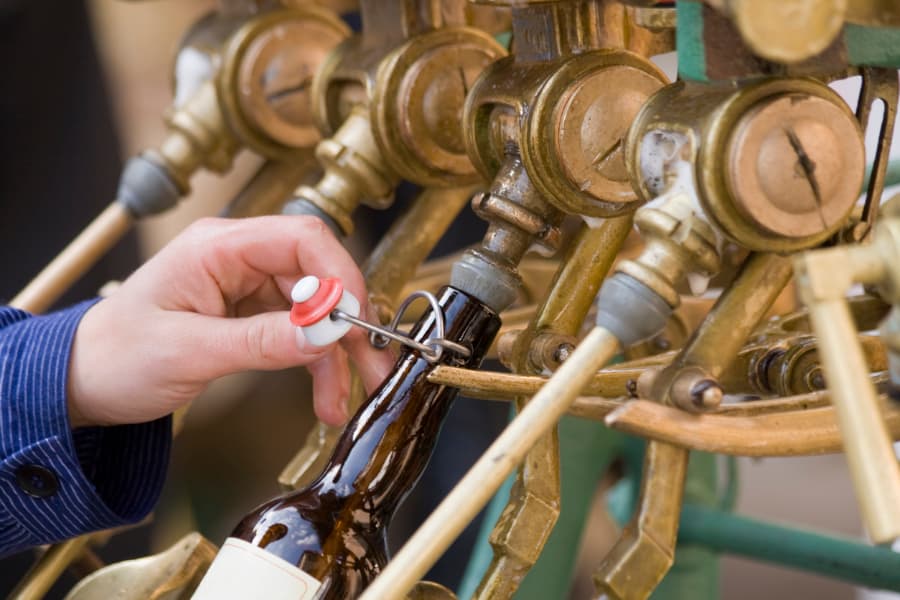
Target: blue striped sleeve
[(56, 483)]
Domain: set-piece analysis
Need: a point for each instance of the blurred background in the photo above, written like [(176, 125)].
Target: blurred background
[(85, 84)]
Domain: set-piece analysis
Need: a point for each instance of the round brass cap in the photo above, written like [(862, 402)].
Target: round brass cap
[(788, 31), (265, 82), (795, 163), (575, 136)]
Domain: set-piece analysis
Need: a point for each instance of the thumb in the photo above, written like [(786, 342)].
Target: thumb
[(265, 342)]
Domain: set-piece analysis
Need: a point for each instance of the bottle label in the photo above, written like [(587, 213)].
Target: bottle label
[(242, 571)]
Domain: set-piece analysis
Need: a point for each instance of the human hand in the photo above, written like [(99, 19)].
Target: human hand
[(215, 301)]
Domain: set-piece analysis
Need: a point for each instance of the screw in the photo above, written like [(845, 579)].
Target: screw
[(562, 352), (707, 393), (817, 380), (631, 387)]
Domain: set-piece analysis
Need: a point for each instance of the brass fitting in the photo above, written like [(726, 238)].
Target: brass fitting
[(252, 100), (266, 77), (545, 352), (419, 95), (198, 137), (391, 98), (355, 172), (777, 164), (793, 369), (519, 218), (679, 245), (637, 301)]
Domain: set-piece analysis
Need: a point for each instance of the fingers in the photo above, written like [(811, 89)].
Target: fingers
[(266, 298), (331, 387), (238, 255)]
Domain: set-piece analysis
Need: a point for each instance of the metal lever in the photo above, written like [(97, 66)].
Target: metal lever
[(432, 349)]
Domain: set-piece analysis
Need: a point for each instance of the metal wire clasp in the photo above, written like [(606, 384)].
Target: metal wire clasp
[(432, 349)]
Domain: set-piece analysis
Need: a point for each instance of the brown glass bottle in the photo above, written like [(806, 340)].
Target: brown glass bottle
[(336, 528)]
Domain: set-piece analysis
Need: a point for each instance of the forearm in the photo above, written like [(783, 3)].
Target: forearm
[(56, 483)]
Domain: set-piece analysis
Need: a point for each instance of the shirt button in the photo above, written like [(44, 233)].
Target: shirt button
[(37, 481)]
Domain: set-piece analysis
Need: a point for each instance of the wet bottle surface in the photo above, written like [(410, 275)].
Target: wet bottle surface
[(336, 528)]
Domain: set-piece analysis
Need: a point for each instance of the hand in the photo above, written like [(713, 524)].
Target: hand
[(214, 301)]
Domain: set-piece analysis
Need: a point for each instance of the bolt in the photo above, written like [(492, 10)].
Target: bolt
[(706, 394), (631, 386), (562, 352), (817, 380), (662, 343)]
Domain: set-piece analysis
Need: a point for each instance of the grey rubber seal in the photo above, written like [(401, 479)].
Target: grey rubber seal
[(302, 206), (630, 310), (145, 188)]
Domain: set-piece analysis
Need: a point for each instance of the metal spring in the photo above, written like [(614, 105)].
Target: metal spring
[(432, 349)]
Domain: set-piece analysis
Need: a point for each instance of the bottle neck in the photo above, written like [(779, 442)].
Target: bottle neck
[(387, 444)]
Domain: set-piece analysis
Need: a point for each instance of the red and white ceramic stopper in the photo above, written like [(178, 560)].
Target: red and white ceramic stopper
[(314, 300)]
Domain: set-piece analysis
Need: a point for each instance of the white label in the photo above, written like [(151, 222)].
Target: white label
[(241, 571)]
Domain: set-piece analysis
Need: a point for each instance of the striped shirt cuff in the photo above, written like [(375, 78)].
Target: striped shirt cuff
[(56, 483)]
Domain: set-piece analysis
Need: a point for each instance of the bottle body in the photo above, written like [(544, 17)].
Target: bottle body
[(335, 529)]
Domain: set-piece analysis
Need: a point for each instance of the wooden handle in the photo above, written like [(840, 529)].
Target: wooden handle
[(81, 254)]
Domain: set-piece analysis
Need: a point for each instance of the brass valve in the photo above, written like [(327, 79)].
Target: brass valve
[(777, 164), (566, 108), (391, 98), (355, 171), (242, 83), (421, 88), (681, 248)]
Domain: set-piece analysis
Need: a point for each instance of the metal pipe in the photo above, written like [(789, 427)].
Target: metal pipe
[(829, 555)]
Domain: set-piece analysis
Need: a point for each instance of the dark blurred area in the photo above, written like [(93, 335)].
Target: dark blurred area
[(59, 164)]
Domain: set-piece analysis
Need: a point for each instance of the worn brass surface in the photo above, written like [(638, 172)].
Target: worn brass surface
[(718, 340), (266, 75), (762, 173), (533, 507), (388, 269), (170, 575), (782, 356), (711, 127), (355, 172), (390, 98), (553, 100), (786, 433), (573, 138), (646, 548), (679, 245), (420, 90)]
